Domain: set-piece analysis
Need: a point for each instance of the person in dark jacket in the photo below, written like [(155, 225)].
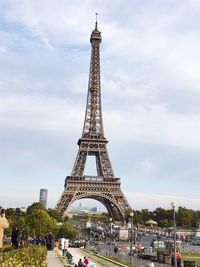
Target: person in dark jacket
[(15, 237), (80, 263)]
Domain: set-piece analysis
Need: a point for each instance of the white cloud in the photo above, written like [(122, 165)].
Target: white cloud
[(40, 114), (150, 87), (139, 201), (155, 125)]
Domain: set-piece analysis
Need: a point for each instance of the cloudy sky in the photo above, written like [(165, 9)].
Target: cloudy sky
[(150, 63)]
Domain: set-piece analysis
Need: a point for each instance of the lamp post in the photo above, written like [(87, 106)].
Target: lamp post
[(110, 220), (174, 219), (131, 245), (99, 233)]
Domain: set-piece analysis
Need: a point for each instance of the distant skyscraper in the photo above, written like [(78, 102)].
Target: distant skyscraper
[(43, 197)]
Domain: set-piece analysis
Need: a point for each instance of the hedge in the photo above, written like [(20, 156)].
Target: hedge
[(31, 256)]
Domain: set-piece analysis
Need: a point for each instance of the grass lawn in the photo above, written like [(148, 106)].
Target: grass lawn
[(192, 256)]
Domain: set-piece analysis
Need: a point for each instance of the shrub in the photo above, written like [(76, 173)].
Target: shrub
[(32, 256)]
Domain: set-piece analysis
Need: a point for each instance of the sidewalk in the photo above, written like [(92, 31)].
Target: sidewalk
[(53, 260), (78, 254)]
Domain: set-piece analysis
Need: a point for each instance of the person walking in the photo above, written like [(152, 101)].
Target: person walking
[(3, 224), (15, 237), (85, 260), (80, 263), (178, 259), (151, 264)]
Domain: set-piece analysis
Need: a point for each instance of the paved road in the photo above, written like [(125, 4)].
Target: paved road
[(53, 259), (93, 258), (78, 254)]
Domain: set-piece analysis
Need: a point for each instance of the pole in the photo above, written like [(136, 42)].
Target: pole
[(131, 245), (110, 235), (174, 219)]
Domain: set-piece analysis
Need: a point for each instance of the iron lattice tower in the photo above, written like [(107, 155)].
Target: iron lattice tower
[(104, 187)]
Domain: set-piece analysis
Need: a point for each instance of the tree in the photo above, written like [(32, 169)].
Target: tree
[(10, 213), (67, 231), (146, 215), (18, 212), (55, 214), (23, 227), (184, 217), (40, 223), (163, 217), (34, 206)]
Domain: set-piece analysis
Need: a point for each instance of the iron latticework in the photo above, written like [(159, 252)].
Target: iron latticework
[(104, 187)]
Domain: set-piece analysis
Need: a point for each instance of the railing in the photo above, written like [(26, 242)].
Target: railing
[(108, 251)]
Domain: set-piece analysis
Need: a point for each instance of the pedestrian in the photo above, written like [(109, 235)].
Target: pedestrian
[(151, 264), (85, 260), (49, 241), (15, 237), (3, 224), (178, 259), (80, 263), (62, 245)]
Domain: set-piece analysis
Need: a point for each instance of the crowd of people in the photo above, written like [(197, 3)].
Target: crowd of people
[(44, 241)]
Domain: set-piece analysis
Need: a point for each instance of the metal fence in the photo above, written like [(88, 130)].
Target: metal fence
[(108, 251)]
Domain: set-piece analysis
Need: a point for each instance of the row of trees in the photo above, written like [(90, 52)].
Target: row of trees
[(37, 221), (185, 218)]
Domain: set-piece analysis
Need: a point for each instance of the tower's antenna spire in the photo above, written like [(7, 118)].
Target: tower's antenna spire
[(96, 21)]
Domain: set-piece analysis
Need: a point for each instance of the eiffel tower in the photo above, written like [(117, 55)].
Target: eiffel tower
[(104, 187)]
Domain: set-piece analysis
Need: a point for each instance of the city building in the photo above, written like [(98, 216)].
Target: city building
[(43, 197)]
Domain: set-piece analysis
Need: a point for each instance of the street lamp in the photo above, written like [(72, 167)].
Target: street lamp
[(174, 219), (131, 247), (98, 236)]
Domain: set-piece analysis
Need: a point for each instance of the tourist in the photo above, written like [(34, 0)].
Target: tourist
[(62, 245), (15, 237), (49, 241), (178, 259), (3, 224), (85, 260), (151, 264), (80, 263)]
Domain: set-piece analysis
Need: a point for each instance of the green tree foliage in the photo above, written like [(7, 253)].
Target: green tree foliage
[(14, 216), (146, 215), (23, 226), (184, 217), (37, 221), (10, 213), (34, 206), (196, 219), (55, 214), (66, 230), (40, 223), (18, 212)]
